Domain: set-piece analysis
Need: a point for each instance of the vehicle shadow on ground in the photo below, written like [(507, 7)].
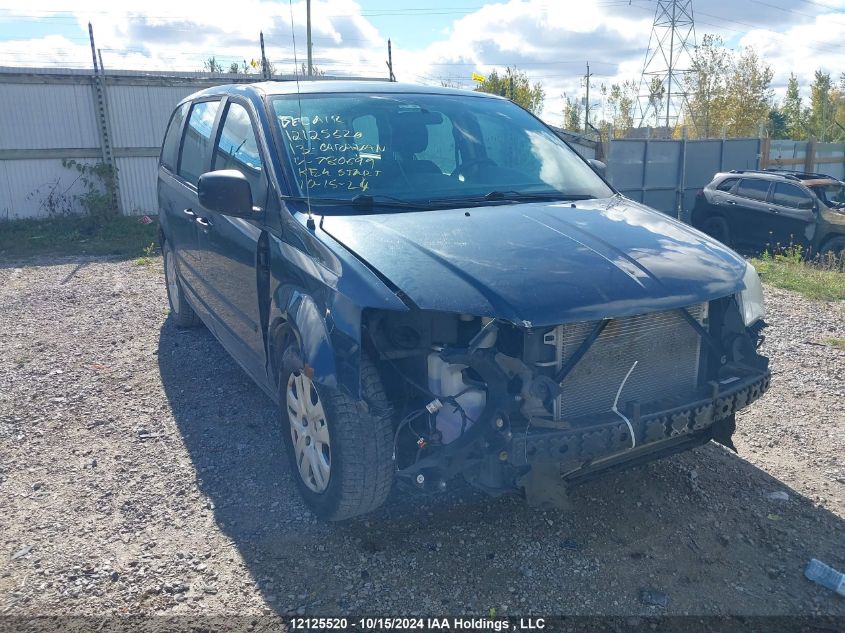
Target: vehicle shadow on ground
[(698, 527)]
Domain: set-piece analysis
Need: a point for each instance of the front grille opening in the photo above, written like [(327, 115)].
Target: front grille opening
[(666, 348)]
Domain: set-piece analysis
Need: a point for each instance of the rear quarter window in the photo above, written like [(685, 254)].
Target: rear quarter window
[(170, 146), (727, 184), (196, 142)]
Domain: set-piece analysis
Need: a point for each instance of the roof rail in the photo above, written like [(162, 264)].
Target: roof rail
[(800, 173), (768, 172)]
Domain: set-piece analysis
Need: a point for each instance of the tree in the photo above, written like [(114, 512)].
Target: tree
[(572, 111), (234, 68), (706, 86), (621, 101), (515, 85), (656, 94), (727, 92), (823, 99), (749, 95), (792, 110), (778, 125), (211, 65), (315, 70)]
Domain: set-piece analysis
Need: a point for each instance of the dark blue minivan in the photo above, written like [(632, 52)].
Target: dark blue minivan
[(431, 283)]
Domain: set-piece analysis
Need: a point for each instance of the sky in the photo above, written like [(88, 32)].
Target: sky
[(433, 40)]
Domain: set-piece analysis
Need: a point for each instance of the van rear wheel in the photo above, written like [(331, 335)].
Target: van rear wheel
[(183, 314), (340, 450)]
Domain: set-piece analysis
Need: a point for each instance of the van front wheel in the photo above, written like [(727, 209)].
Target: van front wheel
[(340, 450)]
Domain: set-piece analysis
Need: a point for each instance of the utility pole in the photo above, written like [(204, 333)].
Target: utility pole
[(265, 70), (93, 49), (587, 103), (102, 111), (390, 61), (100, 57), (510, 84), (308, 36)]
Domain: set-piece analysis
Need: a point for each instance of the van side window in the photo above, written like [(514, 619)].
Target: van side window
[(237, 149), (170, 147), (754, 188), (196, 143)]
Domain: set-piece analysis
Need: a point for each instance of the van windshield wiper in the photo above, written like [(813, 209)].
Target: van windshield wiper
[(362, 201), (536, 195), (510, 196)]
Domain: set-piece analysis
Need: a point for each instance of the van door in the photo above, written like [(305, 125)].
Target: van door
[(184, 208), (229, 268)]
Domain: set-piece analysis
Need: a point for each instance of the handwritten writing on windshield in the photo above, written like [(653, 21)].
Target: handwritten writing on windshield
[(329, 154)]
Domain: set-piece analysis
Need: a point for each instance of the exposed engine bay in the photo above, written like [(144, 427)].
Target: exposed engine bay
[(493, 400)]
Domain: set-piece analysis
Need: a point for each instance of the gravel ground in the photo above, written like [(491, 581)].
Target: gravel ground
[(142, 472)]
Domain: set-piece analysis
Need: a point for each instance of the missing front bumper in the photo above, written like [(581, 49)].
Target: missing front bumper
[(671, 429)]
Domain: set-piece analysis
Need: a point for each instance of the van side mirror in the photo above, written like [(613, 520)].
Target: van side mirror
[(598, 166), (226, 191), (807, 204)]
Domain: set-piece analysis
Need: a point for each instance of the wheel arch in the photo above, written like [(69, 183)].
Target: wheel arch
[(295, 317)]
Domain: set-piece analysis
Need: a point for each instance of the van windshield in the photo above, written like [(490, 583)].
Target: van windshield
[(427, 148)]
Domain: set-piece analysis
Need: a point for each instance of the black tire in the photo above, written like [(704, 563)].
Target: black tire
[(183, 314), (717, 228), (835, 250), (361, 438)]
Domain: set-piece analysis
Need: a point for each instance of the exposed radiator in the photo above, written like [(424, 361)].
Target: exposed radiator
[(666, 347)]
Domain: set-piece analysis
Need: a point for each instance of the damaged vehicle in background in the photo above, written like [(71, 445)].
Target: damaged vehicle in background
[(432, 284), (772, 209)]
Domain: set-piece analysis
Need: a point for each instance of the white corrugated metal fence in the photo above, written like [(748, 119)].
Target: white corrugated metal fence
[(50, 115)]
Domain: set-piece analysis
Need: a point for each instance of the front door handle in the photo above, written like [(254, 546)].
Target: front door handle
[(773, 210), (189, 212), (203, 222), (731, 201)]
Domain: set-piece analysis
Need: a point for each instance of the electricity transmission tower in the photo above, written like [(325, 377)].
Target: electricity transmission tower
[(661, 93)]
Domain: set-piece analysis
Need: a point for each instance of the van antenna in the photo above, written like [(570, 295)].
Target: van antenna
[(310, 222)]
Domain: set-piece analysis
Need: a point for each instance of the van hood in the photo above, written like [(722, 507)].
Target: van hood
[(542, 263)]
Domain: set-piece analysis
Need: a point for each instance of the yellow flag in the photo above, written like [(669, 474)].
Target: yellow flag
[(477, 77), (253, 63)]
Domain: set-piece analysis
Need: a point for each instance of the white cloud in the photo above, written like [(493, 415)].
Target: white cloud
[(552, 41)]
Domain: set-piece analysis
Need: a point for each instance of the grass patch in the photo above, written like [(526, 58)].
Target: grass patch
[(835, 342), (821, 279), (121, 236), (149, 257)]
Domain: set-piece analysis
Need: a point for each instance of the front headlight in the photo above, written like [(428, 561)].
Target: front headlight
[(751, 299)]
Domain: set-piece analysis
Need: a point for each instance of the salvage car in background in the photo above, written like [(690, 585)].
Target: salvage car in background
[(431, 283), (759, 210)]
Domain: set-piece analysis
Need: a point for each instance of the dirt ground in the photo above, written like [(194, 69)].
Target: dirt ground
[(142, 472)]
